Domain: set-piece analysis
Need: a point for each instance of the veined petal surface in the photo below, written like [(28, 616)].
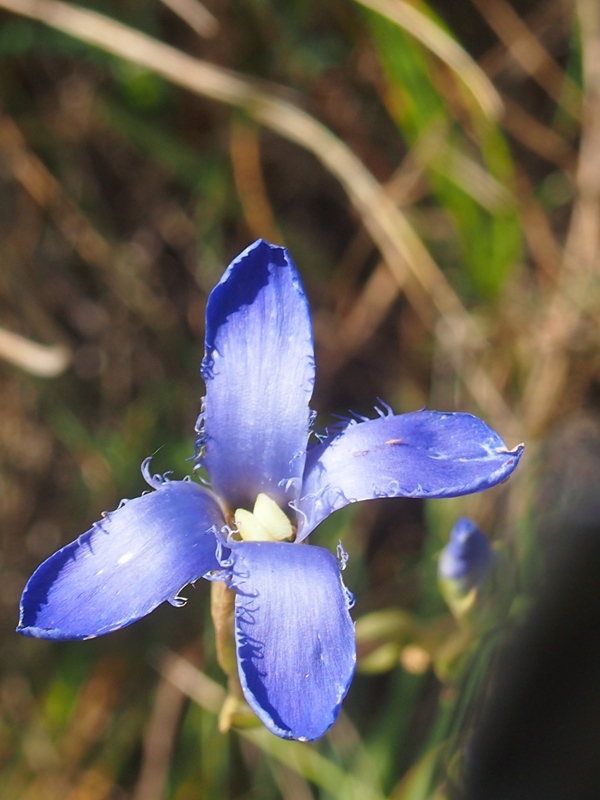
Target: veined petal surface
[(259, 375), (421, 454), (128, 563), (294, 635)]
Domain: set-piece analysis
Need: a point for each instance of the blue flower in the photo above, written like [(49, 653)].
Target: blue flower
[(269, 488)]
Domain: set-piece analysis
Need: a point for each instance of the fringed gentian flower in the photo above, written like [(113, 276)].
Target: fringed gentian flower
[(269, 489)]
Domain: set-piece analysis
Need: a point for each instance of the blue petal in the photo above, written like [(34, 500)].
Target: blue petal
[(128, 563), (294, 635), (259, 374), (421, 454)]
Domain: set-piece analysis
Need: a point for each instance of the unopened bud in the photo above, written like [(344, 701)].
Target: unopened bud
[(467, 557)]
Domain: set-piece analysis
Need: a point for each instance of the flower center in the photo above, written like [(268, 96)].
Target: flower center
[(267, 523)]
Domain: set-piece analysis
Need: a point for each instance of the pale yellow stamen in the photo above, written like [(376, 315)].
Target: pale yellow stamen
[(267, 523)]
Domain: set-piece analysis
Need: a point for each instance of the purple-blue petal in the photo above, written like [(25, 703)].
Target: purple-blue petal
[(135, 558), (259, 374), (294, 635), (426, 454)]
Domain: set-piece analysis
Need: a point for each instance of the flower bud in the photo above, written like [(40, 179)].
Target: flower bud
[(463, 566), (467, 557)]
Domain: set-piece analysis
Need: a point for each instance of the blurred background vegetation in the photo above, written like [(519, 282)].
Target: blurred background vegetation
[(434, 169)]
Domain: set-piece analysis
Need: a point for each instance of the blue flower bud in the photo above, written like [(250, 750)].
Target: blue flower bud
[(467, 557)]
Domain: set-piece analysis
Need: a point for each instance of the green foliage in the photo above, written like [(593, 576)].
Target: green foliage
[(486, 225)]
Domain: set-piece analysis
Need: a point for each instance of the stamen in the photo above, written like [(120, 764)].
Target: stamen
[(267, 523), (249, 528)]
